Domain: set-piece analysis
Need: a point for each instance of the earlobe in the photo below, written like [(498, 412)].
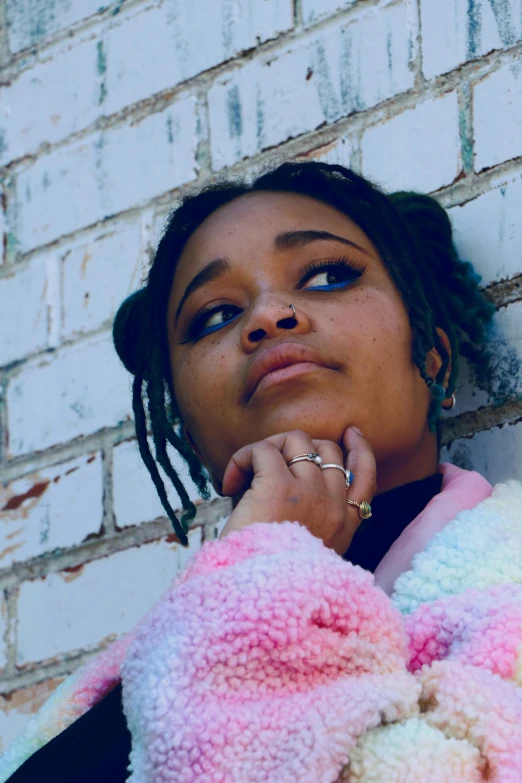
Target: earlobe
[(434, 359)]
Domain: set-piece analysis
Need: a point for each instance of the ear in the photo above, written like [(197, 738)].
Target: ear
[(216, 483), (434, 359)]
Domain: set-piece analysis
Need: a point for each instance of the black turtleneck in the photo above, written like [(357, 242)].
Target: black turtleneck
[(392, 511), (96, 747)]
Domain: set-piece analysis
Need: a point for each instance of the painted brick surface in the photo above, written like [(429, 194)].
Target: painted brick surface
[(55, 113), (496, 453), (505, 350), (106, 174), (97, 276), (488, 231), (188, 32), (127, 63), (400, 155), (53, 509), (17, 707), (70, 610), (455, 32), (313, 11), (32, 21), (23, 329), (497, 110), (327, 76), (135, 496), (3, 633), (75, 392)]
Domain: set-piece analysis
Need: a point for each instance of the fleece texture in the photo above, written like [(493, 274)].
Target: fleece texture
[(272, 660)]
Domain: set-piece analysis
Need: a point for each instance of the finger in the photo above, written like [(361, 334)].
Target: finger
[(334, 478), (296, 444), (361, 461), (261, 460)]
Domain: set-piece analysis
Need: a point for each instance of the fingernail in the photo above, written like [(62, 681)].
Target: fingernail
[(358, 431)]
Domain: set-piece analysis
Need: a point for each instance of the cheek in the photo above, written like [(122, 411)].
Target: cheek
[(199, 389)]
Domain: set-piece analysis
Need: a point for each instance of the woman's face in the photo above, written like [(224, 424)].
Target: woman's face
[(244, 369)]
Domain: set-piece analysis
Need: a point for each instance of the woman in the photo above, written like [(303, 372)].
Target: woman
[(296, 341)]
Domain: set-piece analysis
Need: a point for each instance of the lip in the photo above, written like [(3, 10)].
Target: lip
[(278, 357)]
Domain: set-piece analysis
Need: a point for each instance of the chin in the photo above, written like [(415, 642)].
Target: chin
[(317, 426)]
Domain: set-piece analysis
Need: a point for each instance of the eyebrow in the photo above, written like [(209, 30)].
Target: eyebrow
[(296, 239), (212, 271), (288, 240)]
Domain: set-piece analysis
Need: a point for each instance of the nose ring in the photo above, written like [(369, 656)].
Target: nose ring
[(293, 311)]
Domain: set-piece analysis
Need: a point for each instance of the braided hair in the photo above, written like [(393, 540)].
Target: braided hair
[(413, 236)]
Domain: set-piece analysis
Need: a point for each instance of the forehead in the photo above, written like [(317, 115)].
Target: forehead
[(244, 229)]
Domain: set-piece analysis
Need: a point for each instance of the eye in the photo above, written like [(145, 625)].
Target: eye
[(331, 275), (209, 320)]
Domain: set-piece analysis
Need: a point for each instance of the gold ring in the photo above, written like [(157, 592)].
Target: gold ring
[(365, 510)]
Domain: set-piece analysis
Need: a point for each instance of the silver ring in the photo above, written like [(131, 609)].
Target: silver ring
[(293, 311), (313, 457), (347, 473)]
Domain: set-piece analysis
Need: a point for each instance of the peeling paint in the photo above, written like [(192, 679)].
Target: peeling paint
[(101, 65), (85, 260), (169, 129), (72, 573), (474, 27), (35, 491), (323, 83), (235, 119), (3, 142)]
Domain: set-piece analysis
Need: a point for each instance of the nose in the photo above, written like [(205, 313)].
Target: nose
[(268, 319)]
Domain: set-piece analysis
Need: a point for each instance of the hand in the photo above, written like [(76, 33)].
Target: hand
[(275, 492)]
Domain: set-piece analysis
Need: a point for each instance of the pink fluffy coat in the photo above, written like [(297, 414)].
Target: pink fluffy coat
[(272, 660)]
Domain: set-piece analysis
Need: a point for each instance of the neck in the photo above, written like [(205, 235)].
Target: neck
[(399, 470)]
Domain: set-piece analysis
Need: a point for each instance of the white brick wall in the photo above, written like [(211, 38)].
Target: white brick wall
[(106, 174), (488, 231), (135, 497), (97, 276), (108, 111), (79, 390), (326, 76), (497, 103), (53, 509), (454, 32), (23, 331), (69, 611), (420, 161)]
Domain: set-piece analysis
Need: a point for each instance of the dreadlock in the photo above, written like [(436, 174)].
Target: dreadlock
[(413, 235)]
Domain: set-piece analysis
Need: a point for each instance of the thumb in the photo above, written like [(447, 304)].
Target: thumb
[(360, 460)]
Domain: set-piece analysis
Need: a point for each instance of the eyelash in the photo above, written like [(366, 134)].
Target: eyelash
[(194, 331)]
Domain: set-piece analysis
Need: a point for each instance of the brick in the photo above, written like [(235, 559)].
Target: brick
[(313, 11), (2, 230), (23, 328), (77, 391), (135, 496), (55, 113), (496, 453), (83, 607), (3, 633), (17, 707), (340, 152), (117, 169), (488, 232), (126, 64), (497, 114), (96, 278), (416, 150), (456, 32), (327, 76), (197, 36), (53, 509), (505, 348), (31, 22)]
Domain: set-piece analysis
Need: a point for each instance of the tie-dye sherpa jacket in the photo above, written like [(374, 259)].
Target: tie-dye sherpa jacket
[(272, 660)]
